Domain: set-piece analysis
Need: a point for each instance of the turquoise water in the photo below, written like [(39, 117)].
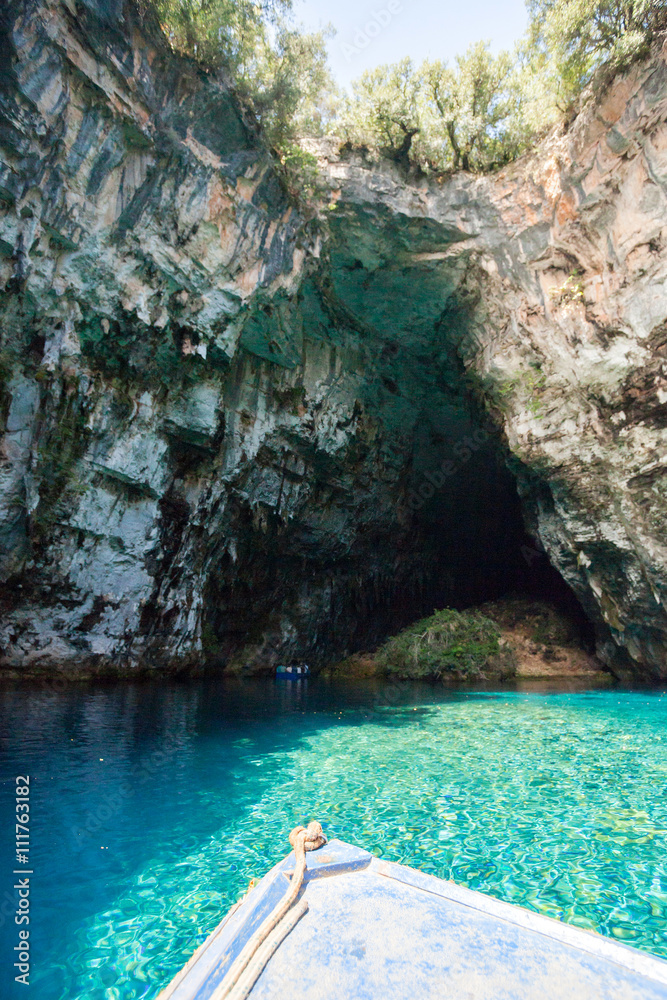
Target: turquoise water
[(153, 806)]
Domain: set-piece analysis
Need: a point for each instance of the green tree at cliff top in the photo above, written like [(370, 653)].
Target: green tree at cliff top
[(384, 111), (485, 109), (476, 114), (579, 36), (220, 32), (468, 111), (280, 71)]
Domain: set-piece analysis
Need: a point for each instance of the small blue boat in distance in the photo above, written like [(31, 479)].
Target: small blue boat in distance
[(360, 928), (293, 673)]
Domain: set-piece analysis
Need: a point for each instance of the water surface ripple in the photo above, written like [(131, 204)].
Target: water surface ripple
[(153, 806)]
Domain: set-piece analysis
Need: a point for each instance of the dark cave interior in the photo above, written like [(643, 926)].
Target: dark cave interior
[(421, 509), (462, 542)]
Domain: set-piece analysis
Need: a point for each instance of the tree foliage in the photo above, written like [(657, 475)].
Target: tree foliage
[(469, 117), (580, 36), (220, 33), (468, 112), (291, 87), (280, 71), (486, 109), (383, 112), (475, 115)]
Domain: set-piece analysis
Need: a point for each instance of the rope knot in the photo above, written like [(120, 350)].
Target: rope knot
[(248, 965), (312, 836)]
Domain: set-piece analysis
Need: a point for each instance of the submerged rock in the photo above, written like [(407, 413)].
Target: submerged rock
[(238, 435)]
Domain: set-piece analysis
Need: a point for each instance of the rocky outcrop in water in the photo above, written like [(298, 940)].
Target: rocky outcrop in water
[(236, 434)]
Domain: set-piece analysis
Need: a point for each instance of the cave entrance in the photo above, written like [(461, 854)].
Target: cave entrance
[(468, 514), (391, 495), (453, 536), (401, 302)]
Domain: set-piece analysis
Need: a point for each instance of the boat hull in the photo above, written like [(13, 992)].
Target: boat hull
[(375, 929)]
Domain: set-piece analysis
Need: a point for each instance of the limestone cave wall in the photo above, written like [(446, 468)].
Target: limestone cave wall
[(238, 431)]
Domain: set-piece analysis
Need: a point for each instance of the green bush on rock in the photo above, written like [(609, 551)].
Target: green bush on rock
[(458, 644), (279, 71), (579, 37)]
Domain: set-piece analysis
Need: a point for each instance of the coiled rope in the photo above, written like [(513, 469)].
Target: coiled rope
[(247, 967)]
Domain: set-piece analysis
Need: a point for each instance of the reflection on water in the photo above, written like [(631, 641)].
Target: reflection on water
[(153, 806)]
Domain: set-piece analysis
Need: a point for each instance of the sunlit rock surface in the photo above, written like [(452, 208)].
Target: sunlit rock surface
[(240, 435)]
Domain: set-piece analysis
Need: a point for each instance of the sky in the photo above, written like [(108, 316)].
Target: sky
[(371, 32)]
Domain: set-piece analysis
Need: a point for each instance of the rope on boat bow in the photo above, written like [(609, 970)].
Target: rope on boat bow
[(247, 967)]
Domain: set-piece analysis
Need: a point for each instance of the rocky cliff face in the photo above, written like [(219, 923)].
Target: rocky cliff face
[(238, 435)]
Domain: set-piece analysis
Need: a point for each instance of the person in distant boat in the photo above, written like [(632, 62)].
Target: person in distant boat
[(293, 670)]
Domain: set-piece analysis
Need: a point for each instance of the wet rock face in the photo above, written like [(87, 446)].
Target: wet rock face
[(234, 435)]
